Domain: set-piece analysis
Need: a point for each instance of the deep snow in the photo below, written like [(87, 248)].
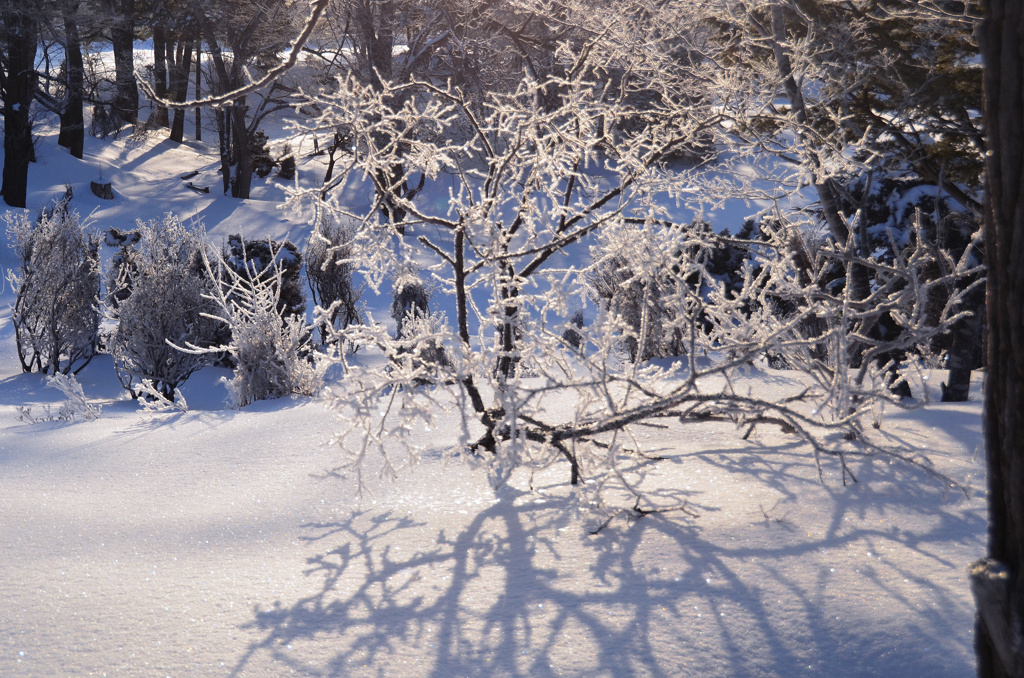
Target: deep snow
[(206, 543)]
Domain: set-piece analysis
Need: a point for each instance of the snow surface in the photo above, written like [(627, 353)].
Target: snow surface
[(209, 544)]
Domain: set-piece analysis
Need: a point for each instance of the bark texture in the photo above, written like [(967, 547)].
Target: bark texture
[(997, 582)]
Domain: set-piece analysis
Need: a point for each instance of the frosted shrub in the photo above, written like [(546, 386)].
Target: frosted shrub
[(122, 264), (329, 268), (56, 312), (165, 301), (634, 300), (418, 348), (572, 334), (76, 401), (410, 299), (155, 401), (75, 405), (420, 353), (271, 352)]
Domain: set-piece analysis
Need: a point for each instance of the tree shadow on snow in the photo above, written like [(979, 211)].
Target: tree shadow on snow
[(518, 591)]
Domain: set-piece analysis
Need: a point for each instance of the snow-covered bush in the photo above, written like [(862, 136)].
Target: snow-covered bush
[(572, 334), (76, 401), (271, 351), (56, 314), (286, 164), (647, 281), (105, 121), (418, 346), (163, 292), (632, 282), (329, 268), (419, 354), (154, 400)]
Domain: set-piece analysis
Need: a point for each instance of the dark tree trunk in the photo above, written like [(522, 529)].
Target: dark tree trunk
[(505, 368), (998, 582), (122, 36), (160, 117), (241, 153), (967, 347), (21, 32), (958, 387), (179, 59), (72, 119), (199, 86), (376, 34), (378, 40), (224, 137), (235, 154)]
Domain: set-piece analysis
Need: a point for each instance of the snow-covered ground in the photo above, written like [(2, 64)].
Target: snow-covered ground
[(207, 544)]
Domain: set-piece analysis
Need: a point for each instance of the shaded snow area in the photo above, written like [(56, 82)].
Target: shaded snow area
[(208, 543)]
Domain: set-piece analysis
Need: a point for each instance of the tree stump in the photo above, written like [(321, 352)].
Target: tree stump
[(103, 191)]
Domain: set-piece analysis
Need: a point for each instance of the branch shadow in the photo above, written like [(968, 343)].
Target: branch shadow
[(520, 591)]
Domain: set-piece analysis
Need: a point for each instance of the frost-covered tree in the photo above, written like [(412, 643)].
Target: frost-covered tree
[(644, 113), (565, 160), (165, 301), (877, 103), (56, 312)]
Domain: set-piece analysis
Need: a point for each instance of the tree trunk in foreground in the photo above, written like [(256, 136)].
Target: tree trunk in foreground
[(998, 581), (21, 31)]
